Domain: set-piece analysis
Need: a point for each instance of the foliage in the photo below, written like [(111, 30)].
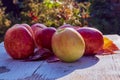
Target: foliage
[(53, 12), (49, 12), (4, 22)]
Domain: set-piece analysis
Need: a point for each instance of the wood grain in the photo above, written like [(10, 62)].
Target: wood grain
[(57, 70), (99, 67), (105, 69), (15, 69)]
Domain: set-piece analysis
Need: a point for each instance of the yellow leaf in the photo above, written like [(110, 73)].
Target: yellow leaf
[(108, 44), (109, 47)]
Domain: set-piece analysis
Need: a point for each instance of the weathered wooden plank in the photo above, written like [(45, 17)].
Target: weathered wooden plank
[(52, 71), (15, 69), (105, 69), (87, 68)]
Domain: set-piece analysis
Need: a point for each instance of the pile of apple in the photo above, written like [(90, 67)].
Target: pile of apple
[(68, 43)]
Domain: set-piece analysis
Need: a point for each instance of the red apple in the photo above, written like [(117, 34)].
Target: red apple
[(68, 26), (68, 45), (76, 27), (29, 28), (43, 37), (93, 39), (36, 27), (18, 42), (65, 26), (25, 25)]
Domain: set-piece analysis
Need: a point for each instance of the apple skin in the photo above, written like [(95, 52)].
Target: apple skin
[(68, 45), (65, 26), (26, 26), (68, 26), (29, 28), (37, 26), (93, 40), (44, 37), (18, 42)]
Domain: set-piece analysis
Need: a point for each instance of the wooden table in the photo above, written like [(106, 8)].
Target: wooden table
[(100, 67)]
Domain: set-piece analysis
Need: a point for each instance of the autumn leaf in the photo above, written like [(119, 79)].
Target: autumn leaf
[(43, 54), (40, 54), (108, 48)]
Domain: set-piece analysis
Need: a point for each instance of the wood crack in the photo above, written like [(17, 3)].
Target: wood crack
[(38, 67)]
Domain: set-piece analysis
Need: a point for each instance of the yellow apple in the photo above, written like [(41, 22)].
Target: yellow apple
[(68, 45)]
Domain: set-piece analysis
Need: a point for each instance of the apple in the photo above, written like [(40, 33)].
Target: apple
[(25, 25), (18, 42), (43, 37), (77, 27), (65, 26), (29, 28), (68, 26), (93, 39), (68, 45), (37, 27)]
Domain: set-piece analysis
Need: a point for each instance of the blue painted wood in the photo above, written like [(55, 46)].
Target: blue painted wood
[(15, 69), (99, 67)]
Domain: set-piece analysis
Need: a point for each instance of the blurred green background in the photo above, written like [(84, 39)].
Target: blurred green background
[(101, 14)]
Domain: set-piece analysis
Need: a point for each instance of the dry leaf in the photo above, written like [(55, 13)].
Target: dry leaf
[(43, 54), (108, 48), (40, 54), (52, 59)]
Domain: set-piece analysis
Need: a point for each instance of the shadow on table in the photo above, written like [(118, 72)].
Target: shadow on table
[(52, 71)]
